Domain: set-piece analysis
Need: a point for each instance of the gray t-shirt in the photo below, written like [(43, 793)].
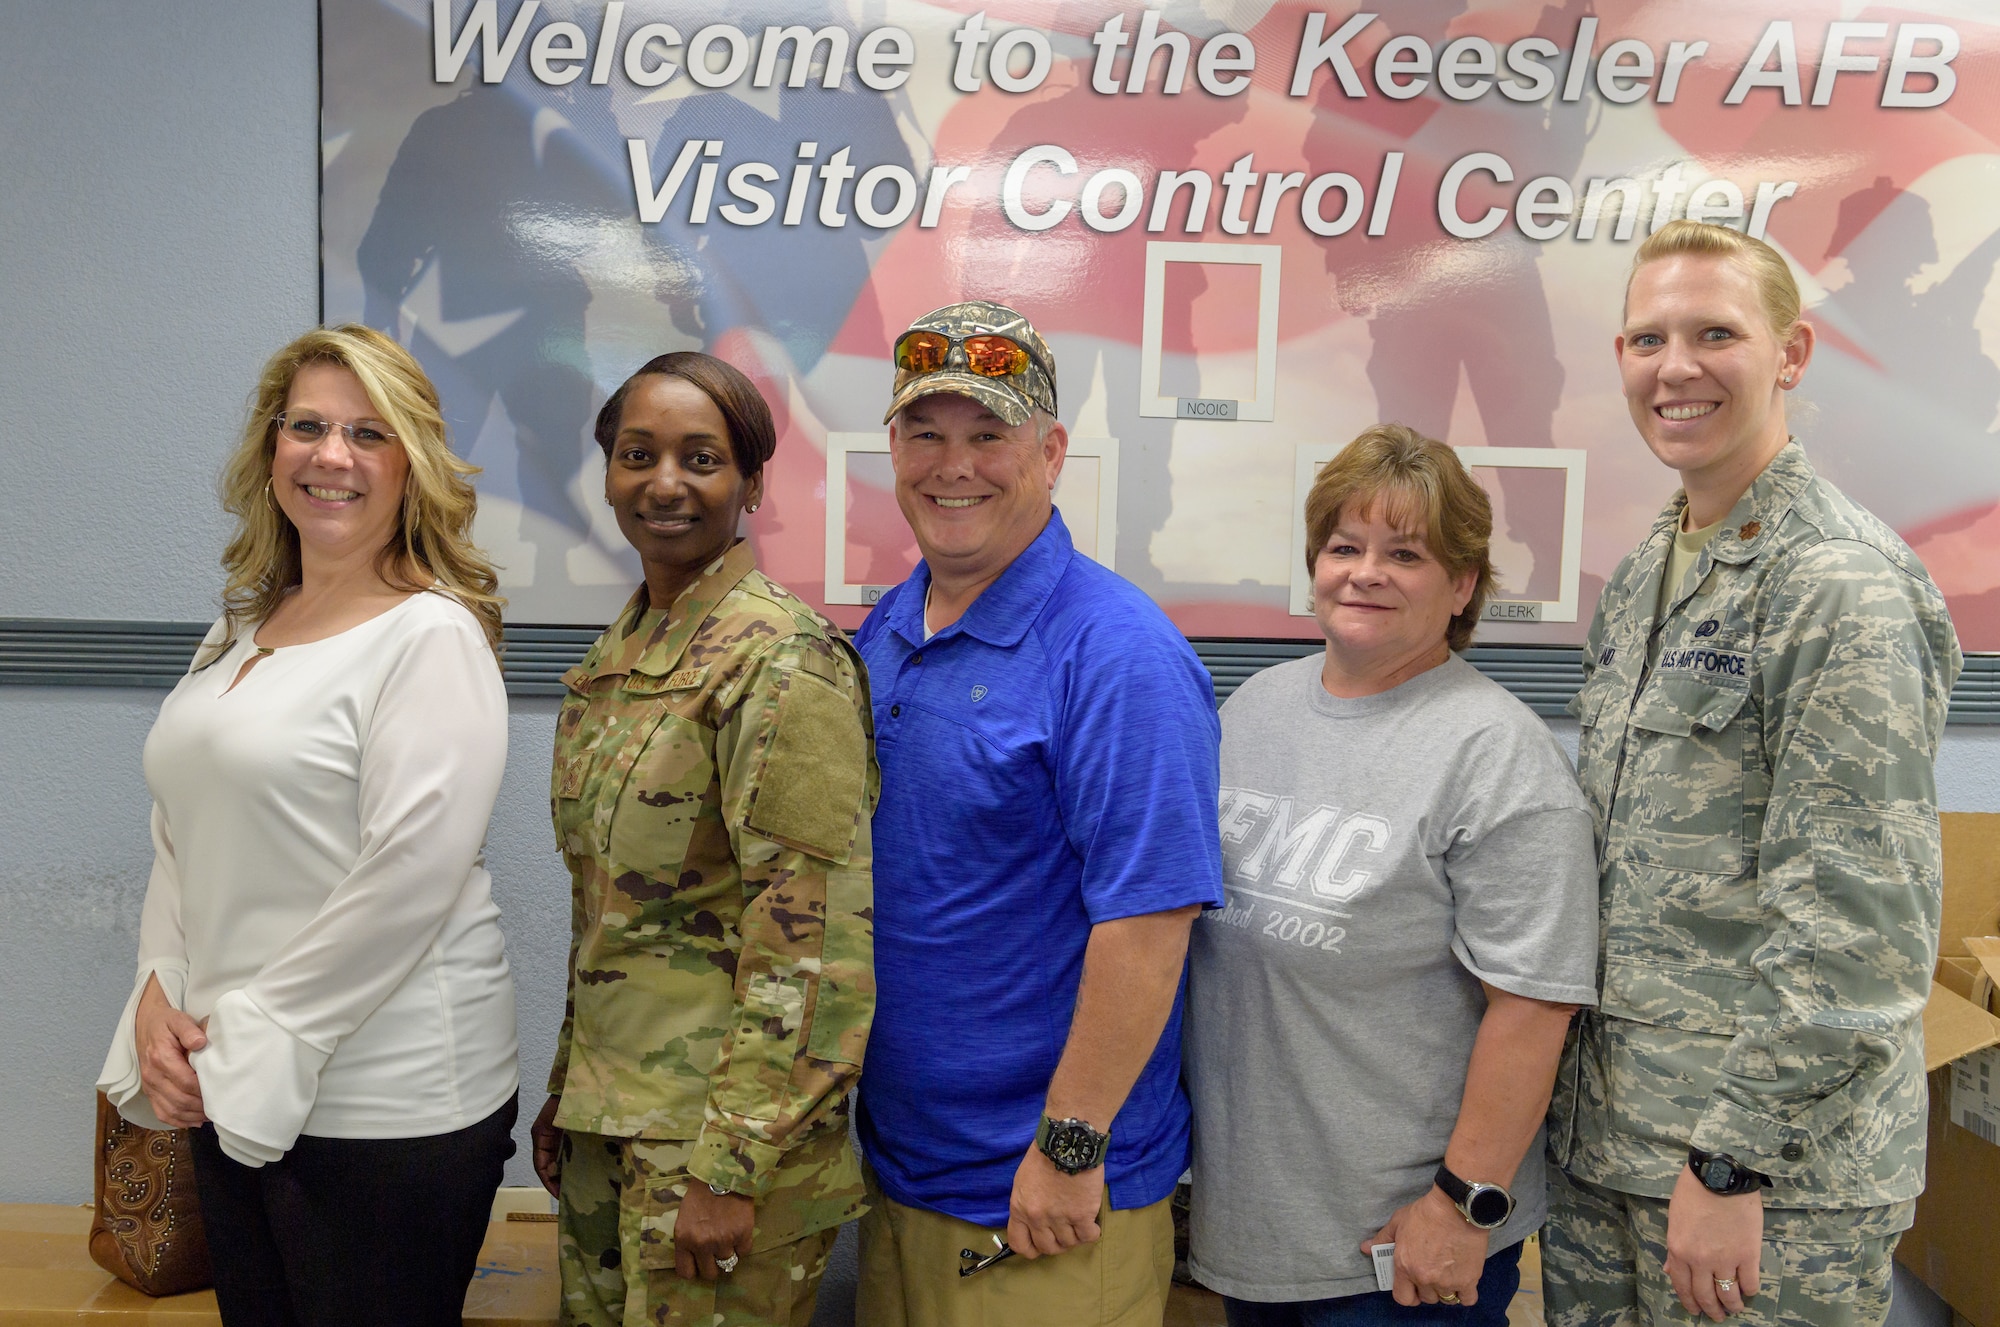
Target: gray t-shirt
[(1382, 856)]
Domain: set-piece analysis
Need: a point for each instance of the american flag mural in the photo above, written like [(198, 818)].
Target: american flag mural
[(1248, 229)]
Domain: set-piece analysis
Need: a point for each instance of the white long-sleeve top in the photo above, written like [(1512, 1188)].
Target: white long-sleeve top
[(319, 892)]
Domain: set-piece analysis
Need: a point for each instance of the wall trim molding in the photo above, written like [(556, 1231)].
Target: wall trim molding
[(78, 652)]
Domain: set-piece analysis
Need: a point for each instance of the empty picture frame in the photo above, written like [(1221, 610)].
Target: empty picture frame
[(1159, 253), (1504, 606), (1088, 489)]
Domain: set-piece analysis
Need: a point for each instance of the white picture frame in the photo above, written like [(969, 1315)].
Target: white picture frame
[(1268, 258)]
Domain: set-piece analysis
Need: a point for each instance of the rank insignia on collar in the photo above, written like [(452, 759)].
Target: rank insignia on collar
[(1749, 529)]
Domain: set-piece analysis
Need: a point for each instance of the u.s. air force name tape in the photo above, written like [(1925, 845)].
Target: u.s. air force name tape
[(1705, 662)]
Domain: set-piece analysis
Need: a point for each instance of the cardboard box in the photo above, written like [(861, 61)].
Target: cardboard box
[(1971, 878), (1954, 1248), (1985, 951)]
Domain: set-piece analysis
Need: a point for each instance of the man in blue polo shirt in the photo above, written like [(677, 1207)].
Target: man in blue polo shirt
[(1046, 835)]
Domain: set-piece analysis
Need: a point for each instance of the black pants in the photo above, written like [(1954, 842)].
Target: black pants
[(349, 1231)]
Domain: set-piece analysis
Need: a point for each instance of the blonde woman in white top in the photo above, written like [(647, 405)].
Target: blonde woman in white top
[(323, 992)]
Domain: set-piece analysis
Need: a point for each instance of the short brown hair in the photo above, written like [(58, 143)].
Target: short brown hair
[(1777, 290), (752, 435), (1423, 487)]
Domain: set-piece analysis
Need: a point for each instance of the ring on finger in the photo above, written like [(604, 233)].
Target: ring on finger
[(1447, 1297), (1725, 1283), (727, 1264)]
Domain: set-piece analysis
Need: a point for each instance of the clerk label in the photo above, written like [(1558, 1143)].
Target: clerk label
[(1701, 661)]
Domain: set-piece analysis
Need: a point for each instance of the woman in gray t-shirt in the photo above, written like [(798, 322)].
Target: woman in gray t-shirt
[(1374, 1019)]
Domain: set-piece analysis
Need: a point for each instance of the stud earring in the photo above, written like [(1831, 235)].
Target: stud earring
[(752, 508)]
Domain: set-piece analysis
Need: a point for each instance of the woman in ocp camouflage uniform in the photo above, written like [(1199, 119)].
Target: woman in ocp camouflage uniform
[(1739, 1126), (712, 789)]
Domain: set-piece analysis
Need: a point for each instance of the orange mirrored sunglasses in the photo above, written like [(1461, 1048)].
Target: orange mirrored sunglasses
[(989, 355)]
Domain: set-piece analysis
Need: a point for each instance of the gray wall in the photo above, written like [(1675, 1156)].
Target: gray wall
[(158, 237), (157, 241)]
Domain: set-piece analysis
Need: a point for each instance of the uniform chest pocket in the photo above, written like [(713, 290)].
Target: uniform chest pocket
[(1680, 797), (670, 791)]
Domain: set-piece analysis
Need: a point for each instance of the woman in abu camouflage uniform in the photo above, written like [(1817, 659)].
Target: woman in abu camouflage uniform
[(1739, 1125), (712, 791)]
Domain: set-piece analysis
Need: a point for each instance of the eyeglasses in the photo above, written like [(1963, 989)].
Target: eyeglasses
[(989, 355), (310, 432), (970, 1263)]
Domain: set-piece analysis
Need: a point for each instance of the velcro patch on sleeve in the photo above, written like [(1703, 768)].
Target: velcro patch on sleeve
[(810, 792), (570, 771)]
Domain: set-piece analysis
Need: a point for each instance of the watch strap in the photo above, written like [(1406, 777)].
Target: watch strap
[(1740, 1178)]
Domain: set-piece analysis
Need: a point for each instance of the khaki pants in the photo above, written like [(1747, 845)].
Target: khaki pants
[(910, 1262)]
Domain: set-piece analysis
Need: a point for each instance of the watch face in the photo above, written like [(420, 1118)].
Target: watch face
[(1716, 1174), (1489, 1206), (1072, 1147)]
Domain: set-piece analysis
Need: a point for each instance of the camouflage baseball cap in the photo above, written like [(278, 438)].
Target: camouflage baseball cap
[(1012, 396)]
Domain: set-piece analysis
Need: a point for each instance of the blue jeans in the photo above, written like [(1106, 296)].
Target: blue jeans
[(1497, 1284)]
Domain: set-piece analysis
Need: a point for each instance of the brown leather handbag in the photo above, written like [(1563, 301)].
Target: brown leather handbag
[(147, 1231)]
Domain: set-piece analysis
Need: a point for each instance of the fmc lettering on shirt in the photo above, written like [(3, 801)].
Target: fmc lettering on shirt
[(1263, 842)]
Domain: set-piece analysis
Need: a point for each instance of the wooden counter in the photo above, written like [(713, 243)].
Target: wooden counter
[(47, 1277)]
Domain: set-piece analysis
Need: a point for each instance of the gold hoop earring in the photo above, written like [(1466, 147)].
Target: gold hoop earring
[(270, 501)]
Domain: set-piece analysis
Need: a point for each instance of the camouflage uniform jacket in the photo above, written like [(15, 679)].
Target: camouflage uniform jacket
[(714, 779), (1760, 766)]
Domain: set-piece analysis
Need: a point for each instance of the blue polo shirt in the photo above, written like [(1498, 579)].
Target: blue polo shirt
[(1049, 761)]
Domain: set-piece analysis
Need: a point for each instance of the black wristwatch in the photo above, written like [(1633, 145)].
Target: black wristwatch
[(1721, 1173), (1484, 1205), (1071, 1145)]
